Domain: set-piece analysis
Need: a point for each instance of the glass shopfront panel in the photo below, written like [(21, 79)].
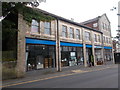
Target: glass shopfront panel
[(40, 56), (71, 56), (98, 54), (108, 54)]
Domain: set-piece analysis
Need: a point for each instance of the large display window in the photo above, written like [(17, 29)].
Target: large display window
[(40, 56), (71, 56), (108, 54)]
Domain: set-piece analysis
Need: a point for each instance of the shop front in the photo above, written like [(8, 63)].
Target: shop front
[(98, 55), (89, 55), (108, 53), (71, 54), (40, 54)]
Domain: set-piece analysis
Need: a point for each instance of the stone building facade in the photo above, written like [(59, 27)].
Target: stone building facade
[(58, 43), (102, 23)]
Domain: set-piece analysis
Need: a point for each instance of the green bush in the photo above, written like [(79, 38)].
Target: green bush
[(8, 56), (8, 59)]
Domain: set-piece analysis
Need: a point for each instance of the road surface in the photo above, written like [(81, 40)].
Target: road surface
[(107, 78)]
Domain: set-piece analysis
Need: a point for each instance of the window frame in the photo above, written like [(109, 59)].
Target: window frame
[(95, 25), (106, 39), (87, 36), (95, 37), (99, 39), (64, 31), (34, 25), (77, 34), (47, 28), (71, 32)]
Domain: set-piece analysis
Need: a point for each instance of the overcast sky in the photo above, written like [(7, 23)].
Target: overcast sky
[(82, 10)]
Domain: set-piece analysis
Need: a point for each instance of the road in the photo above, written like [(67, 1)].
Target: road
[(107, 78)]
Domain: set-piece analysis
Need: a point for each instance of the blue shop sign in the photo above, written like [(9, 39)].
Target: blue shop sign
[(89, 46), (36, 41), (107, 47), (71, 44)]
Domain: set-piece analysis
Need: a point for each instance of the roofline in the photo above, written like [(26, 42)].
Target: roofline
[(66, 20), (106, 17), (90, 20)]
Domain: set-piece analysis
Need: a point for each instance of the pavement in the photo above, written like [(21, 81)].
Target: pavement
[(38, 75)]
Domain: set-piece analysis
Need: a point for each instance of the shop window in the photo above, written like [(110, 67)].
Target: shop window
[(34, 26), (77, 34), (74, 48), (95, 37), (70, 48), (64, 31), (65, 48), (47, 28), (71, 33), (40, 57), (87, 36)]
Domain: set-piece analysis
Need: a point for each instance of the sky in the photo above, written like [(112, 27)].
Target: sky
[(82, 10)]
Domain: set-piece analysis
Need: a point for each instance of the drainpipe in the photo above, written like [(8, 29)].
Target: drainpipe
[(58, 52)]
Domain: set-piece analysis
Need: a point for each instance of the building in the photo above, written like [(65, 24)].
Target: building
[(102, 23), (114, 46), (61, 42)]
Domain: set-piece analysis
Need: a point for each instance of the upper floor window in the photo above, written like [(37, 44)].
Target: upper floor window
[(95, 37), (71, 33), (34, 26), (47, 28), (103, 25), (98, 38), (104, 39), (109, 27), (87, 36), (77, 34), (64, 31), (95, 25), (109, 41)]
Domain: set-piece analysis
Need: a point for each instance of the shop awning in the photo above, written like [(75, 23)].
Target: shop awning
[(37, 41)]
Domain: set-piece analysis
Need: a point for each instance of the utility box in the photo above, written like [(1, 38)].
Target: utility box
[(117, 58)]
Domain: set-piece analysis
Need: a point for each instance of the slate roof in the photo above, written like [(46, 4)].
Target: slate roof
[(90, 20), (66, 20)]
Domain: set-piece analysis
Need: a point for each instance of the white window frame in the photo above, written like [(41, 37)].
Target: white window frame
[(71, 32), (87, 36), (47, 30), (64, 31), (77, 34), (34, 24)]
